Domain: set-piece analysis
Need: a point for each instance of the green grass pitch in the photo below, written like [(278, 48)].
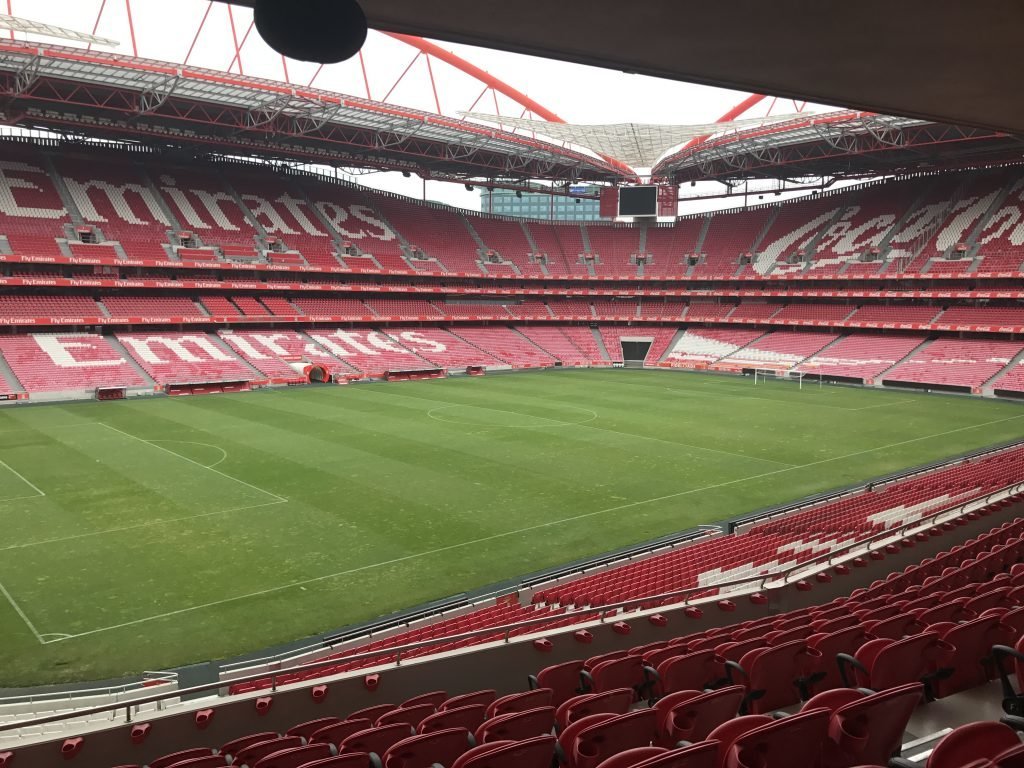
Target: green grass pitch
[(150, 533)]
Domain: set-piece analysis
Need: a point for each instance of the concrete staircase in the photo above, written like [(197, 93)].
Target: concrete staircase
[(672, 344), (600, 343), (123, 351), (62, 191), (9, 383), (914, 351)]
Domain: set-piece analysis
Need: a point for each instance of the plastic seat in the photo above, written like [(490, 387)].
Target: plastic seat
[(868, 728), (235, 746), (307, 729), (350, 760), (703, 755), (338, 732), (792, 742), (536, 752), (253, 753), (776, 676), (434, 699), (520, 702), (973, 742), (613, 674), (295, 757), (372, 713), (517, 726), (213, 761), (376, 740), (615, 702), (830, 646), (969, 661), (425, 750), (469, 717), (883, 664), (591, 740), (689, 672), (182, 756), (563, 679), (412, 715), (693, 715), (895, 627), (484, 697)]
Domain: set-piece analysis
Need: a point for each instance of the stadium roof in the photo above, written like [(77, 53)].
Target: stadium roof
[(113, 96), (639, 145), (948, 61)]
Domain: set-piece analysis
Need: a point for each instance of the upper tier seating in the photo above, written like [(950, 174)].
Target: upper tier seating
[(669, 246), (286, 215), (780, 349), (661, 309), (438, 232), (270, 351), (55, 362), (619, 309), (563, 245), (250, 306), (401, 309), (615, 245), (507, 239), (706, 311), (219, 306), (182, 358), (470, 309), (755, 310), (571, 309), (706, 345), (861, 356), (795, 227), (506, 344), (279, 306), (729, 235), (115, 196), (151, 306), (33, 216), (956, 362), (204, 206)]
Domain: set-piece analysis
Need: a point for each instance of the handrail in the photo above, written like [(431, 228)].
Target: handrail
[(507, 630)]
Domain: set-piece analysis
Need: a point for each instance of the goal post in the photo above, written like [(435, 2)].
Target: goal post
[(765, 374), (761, 375)]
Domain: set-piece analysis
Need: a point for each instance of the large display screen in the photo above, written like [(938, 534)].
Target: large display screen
[(638, 201)]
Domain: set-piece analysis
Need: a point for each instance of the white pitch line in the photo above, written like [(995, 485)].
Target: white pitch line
[(191, 461), (25, 480), (147, 524), (17, 609), (496, 536), (223, 453)]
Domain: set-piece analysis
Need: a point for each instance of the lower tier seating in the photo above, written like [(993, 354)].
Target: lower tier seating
[(182, 358), (507, 345), (273, 352), (962, 363), (56, 362), (863, 356), (706, 345), (780, 349)]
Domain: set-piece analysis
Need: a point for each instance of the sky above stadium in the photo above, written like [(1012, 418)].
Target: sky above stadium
[(205, 34)]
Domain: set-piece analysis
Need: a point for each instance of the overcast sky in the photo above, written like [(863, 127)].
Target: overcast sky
[(166, 30)]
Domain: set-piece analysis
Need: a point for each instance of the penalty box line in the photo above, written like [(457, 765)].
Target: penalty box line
[(494, 537)]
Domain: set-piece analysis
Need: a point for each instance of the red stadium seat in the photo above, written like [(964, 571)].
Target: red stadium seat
[(253, 753), (467, 699), (866, 728), (376, 740), (469, 717), (179, 757), (776, 677), (693, 715), (296, 757), (336, 733), (563, 679), (520, 702), (425, 750), (589, 741), (616, 702), (516, 726), (882, 664), (307, 729), (535, 752), (792, 742), (703, 755)]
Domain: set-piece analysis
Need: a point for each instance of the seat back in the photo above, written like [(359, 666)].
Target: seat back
[(182, 756), (516, 726), (484, 697), (626, 672), (971, 742), (433, 698), (792, 742), (376, 740), (703, 755), (536, 752), (412, 715), (902, 661), (294, 757), (689, 672), (520, 702), (256, 752), (338, 732), (307, 729), (616, 702), (233, 747), (831, 645), (469, 717), (971, 644), (870, 729), (563, 680), (692, 715), (425, 750), (600, 740), (351, 760), (775, 676)]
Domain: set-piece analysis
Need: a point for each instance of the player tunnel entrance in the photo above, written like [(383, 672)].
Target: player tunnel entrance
[(312, 372), (634, 351)]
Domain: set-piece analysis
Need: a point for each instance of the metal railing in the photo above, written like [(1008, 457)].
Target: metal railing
[(684, 598)]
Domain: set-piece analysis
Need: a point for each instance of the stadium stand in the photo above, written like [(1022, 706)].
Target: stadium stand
[(960, 363), (863, 356), (779, 349), (151, 306), (707, 345), (64, 362), (34, 216), (185, 358), (273, 352), (507, 345)]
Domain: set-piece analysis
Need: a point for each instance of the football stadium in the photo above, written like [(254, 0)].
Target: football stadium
[(391, 384)]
